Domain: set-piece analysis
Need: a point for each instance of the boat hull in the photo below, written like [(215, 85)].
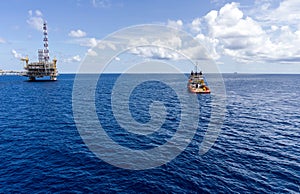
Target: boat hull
[(204, 90)]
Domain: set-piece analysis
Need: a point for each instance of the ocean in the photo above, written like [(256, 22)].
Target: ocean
[(257, 149)]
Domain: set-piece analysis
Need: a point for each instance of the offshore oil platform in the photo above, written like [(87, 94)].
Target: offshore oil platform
[(44, 67)]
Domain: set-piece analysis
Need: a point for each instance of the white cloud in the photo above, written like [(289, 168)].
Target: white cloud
[(210, 45), (109, 45), (101, 3), (92, 42), (77, 33), (274, 28), (35, 20), (38, 13), (217, 2), (155, 52), (73, 59), (91, 52), (230, 23), (172, 42), (158, 48), (139, 41), (76, 58), (288, 11), (195, 26), (247, 38), (16, 54), (229, 30), (86, 42), (175, 24), (149, 43), (117, 58)]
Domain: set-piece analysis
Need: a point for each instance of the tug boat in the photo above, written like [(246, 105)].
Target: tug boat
[(196, 83)]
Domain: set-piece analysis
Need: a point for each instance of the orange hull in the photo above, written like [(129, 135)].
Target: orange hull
[(204, 90)]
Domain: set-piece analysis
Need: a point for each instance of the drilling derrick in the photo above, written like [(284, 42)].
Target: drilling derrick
[(46, 50), (44, 67)]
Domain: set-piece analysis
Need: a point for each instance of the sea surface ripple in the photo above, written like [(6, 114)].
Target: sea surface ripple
[(257, 151)]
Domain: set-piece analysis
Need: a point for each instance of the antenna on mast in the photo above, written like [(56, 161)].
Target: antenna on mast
[(196, 66)]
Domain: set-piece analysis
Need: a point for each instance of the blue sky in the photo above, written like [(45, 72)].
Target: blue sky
[(258, 36)]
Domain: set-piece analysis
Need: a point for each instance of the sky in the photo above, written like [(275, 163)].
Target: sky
[(258, 36)]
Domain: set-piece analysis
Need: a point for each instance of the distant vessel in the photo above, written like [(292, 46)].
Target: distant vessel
[(196, 83), (43, 67)]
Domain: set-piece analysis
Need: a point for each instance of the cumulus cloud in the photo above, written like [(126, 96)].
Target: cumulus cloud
[(229, 23), (92, 42), (35, 20), (247, 38), (234, 33), (73, 59), (266, 33), (86, 42), (91, 52), (195, 26), (288, 11), (16, 54), (155, 53), (77, 33), (175, 24), (156, 49), (162, 47), (210, 45)]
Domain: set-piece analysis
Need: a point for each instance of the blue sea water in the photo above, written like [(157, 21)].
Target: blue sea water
[(257, 151)]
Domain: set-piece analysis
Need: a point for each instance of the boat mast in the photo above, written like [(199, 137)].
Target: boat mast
[(196, 66)]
